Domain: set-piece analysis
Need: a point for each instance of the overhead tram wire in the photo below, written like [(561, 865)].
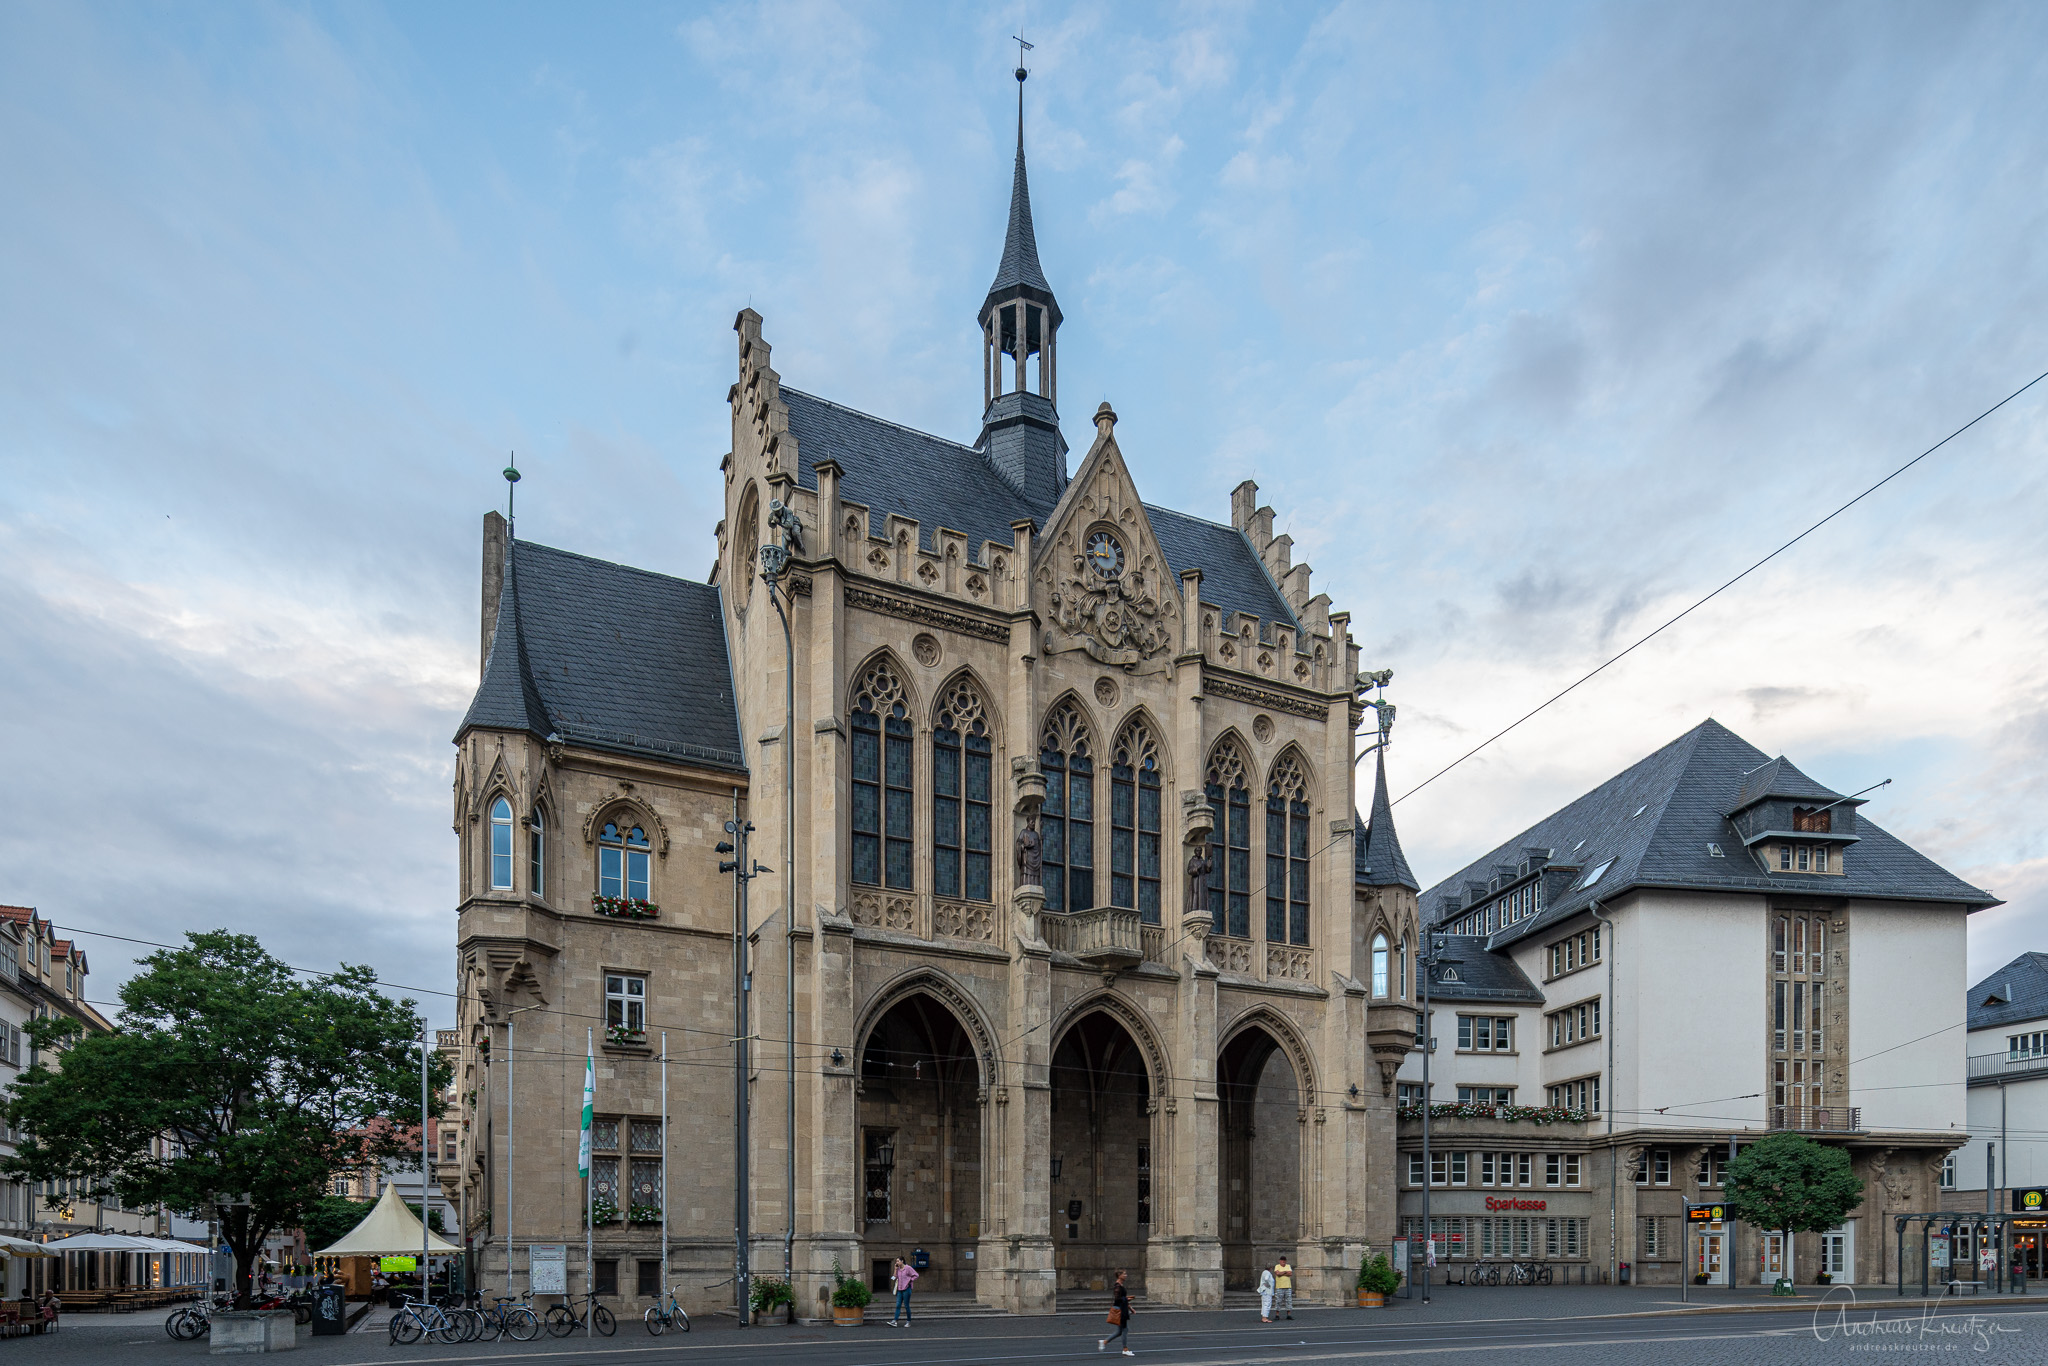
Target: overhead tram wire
[(1615, 659)]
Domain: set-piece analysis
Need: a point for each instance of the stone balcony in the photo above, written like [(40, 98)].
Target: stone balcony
[(1108, 937)]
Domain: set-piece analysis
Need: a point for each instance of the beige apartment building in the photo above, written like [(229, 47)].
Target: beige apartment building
[(1069, 953)]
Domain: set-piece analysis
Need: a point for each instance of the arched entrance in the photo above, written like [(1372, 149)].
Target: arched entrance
[(1258, 1197), (920, 1144), (1102, 1153)]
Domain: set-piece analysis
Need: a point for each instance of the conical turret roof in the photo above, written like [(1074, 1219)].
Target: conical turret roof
[(1379, 861)]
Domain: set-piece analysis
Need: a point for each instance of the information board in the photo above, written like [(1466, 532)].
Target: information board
[(548, 1265)]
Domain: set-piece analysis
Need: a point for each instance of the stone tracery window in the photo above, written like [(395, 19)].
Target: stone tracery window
[(501, 845), (1381, 966), (884, 809), (1230, 886), (962, 819), (623, 851), (1067, 820), (1134, 822), (1287, 897)]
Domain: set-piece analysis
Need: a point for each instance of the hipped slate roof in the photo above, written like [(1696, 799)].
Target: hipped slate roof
[(611, 657), (1482, 975), (940, 483), (1655, 821), (1376, 857), (2020, 989)]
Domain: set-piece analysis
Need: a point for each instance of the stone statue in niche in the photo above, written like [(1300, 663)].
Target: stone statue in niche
[(1028, 853), (1199, 867)]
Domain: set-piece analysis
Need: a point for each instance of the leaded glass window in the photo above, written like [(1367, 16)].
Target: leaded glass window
[(1067, 821), (1134, 823), (884, 810), (962, 819), (1230, 886), (1287, 854)]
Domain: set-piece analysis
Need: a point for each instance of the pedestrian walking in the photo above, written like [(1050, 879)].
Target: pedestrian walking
[(904, 1274), (1283, 1287), (1265, 1294), (1120, 1315)]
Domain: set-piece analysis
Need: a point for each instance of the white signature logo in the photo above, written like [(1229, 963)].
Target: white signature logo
[(1831, 1319)]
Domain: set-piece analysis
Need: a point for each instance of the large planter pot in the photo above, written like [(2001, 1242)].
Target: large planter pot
[(843, 1317), (1371, 1299)]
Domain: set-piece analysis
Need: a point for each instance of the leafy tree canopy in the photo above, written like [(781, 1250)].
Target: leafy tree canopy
[(1788, 1181), (232, 1089)]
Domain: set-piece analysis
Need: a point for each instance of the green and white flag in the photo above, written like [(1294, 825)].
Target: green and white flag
[(589, 1102)]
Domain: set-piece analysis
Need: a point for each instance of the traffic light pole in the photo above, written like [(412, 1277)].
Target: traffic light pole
[(744, 871)]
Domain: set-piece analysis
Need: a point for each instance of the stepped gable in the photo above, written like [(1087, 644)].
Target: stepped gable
[(1651, 825), (610, 657)]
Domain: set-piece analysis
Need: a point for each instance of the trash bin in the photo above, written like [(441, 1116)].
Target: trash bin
[(1624, 1273), (330, 1312)]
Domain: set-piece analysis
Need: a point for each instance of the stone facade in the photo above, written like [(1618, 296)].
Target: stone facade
[(1001, 1011)]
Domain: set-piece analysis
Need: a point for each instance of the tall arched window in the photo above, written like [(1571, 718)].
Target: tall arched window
[(1134, 822), (1401, 956), (884, 809), (501, 845), (622, 858), (1066, 830), (962, 820), (1230, 882), (1381, 968), (1287, 853), (537, 852)]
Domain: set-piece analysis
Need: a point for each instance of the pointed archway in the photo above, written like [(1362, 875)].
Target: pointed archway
[(919, 1143), (1102, 1148), (1258, 1198)]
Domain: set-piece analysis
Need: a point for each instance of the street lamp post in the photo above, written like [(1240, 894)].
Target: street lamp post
[(1427, 961)]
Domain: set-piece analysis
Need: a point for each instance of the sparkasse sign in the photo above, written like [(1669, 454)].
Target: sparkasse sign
[(1502, 1202)]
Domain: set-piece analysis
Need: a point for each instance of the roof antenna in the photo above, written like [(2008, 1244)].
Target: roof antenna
[(511, 488), (1022, 48)]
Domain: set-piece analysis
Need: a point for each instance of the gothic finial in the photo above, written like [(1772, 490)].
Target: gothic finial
[(1105, 419), (1022, 48)]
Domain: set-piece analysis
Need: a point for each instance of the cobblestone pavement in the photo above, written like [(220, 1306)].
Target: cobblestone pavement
[(1555, 1327)]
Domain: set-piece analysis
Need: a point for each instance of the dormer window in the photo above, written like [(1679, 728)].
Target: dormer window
[(622, 852)]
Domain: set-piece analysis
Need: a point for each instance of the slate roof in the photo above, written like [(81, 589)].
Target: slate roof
[(1652, 824), (1019, 265), (939, 483), (1376, 857), (1483, 975), (1779, 778), (2021, 989), (611, 657)]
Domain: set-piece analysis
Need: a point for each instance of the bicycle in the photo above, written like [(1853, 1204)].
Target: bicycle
[(464, 1314), (665, 1314), (190, 1321), (561, 1318), (511, 1318), (1543, 1274), (415, 1320)]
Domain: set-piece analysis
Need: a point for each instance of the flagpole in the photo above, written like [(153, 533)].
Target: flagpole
[(663, 1287), (589, 1182), (426, 1284)]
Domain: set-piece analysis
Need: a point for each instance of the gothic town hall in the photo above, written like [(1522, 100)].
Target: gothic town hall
[(1064, 958)]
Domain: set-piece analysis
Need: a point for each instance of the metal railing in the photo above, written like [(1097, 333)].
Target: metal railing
[(1817, 1118), (1992, 1065)]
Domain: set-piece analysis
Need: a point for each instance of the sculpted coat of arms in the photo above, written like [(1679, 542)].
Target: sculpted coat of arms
[(1114, 611)]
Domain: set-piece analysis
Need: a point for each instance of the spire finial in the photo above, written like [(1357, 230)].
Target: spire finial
[(511, 488), (1022, 48)]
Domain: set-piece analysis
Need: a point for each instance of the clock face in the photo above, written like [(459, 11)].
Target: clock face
[(1105, 555)]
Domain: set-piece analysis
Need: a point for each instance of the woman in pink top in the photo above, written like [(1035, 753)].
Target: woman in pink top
[(904, 1276)]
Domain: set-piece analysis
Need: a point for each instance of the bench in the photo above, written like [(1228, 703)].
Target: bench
[(1958, 1287)]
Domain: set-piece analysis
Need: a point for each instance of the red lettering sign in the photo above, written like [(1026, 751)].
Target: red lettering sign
[(1493, 1203)]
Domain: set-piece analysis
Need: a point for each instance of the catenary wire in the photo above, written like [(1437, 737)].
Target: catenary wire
[(1673, 621)]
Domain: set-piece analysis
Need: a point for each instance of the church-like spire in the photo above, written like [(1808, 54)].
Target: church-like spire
[(1378, 860), (507, 699), (1020, 323)]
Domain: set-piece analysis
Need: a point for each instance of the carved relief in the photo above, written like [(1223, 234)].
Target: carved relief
[(1105, 691), (1292, 964), (964, 920), (926, 647), (924, 615), (1118, 606), (1262, 729)]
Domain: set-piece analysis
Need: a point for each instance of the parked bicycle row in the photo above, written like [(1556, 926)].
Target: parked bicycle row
[(457, 1320), (195, 1320)]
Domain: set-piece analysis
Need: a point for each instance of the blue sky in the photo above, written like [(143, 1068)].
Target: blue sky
[(1533, 322)]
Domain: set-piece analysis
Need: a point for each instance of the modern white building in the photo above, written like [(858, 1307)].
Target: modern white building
[(1706, 948), (2008, 1097)]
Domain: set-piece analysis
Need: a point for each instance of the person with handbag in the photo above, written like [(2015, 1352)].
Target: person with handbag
[(1120, 1315)]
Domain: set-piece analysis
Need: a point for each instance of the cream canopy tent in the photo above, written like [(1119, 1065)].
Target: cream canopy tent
[(390, 1229)]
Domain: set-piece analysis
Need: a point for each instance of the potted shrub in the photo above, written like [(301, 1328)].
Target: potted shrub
[(768, 1294), (1824, 1278), (850, 1297), (1377, 1279), (1699, 1278)]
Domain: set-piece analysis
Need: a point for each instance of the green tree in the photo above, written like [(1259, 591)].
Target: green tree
[(232, 1090), (328, 1220), (1788, 1181)]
